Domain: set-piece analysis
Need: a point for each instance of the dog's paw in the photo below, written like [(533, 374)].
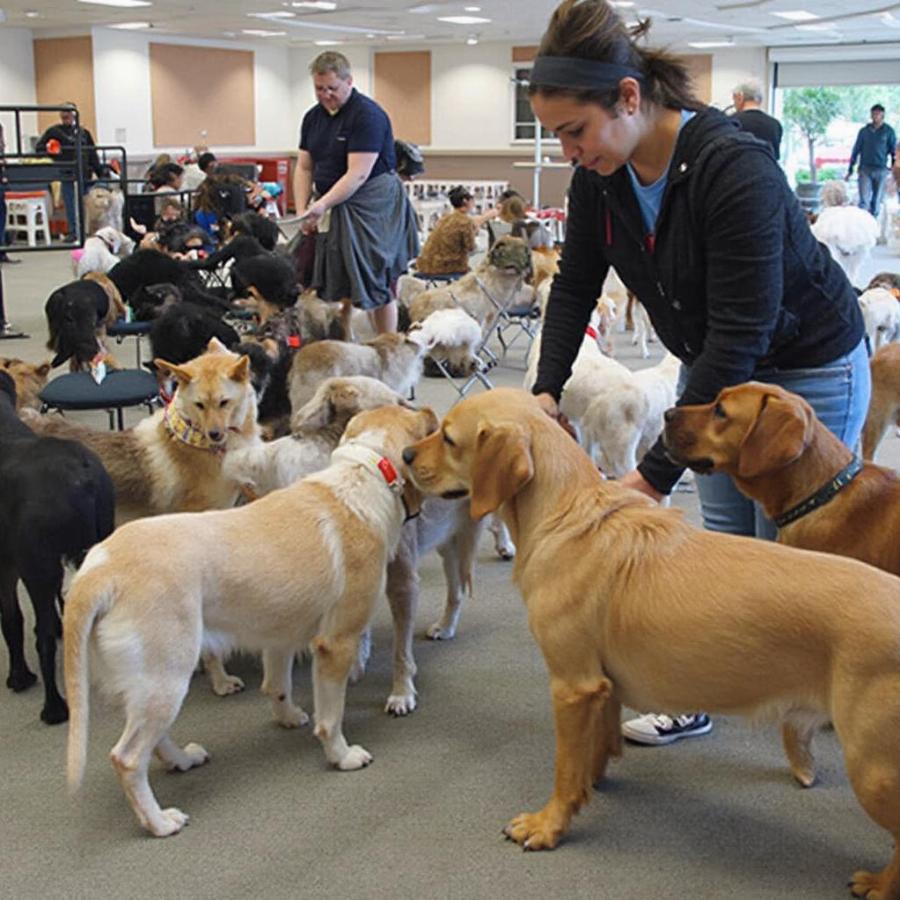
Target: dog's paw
[(440, 632), (229, 684), (170, 821), (355, 758), (56, 713), (21, 681), (868, 884), (290, 716), (534, 831), (400, 704)]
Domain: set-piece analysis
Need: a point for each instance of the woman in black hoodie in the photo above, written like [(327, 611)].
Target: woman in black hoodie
[(699, 222)]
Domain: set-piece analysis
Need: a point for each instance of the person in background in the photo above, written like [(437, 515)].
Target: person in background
[(167, 178), (701, 225), (511, 211), (747, 98), (446, 252), (194, 172), (367, 231), (66, 134), (875, 144)]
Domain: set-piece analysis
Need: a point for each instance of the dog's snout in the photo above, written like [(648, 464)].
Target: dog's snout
[(409, 455), (671, 413), (216, 435)]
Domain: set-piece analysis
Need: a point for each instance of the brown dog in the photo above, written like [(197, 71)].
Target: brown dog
[(780, 455), (631, 605), (884, 407), (30, 380)]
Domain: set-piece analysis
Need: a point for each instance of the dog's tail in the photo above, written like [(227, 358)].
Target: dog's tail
[(89, 597)]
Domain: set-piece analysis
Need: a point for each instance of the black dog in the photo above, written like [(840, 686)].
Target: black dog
[(77, 314), (147, 267), (182, 331), (56, 501), (149, 300)]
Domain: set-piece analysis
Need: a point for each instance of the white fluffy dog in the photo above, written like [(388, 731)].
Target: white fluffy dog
[(848, 231), (591, 370), (103, 208), (625, 417), (452, 336), (881, 313), (102, 251)]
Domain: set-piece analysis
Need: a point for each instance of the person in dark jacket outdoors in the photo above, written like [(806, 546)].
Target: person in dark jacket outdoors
[(876, 143), (700, 223), (66, 133)]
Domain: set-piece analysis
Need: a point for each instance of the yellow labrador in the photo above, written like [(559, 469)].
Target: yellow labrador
[(632, 605)]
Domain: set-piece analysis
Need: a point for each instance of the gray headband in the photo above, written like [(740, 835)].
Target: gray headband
[(579, 74)]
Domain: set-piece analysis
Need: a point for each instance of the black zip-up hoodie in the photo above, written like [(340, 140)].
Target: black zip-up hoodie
[(734, 283)]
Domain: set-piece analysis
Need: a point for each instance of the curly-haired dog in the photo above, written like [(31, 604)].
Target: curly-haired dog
[(77, 316), (147, 628), (56, 501), (103, 208), (102, 251), (630, 604)]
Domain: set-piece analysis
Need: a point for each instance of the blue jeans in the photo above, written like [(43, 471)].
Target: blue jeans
[(872, 181), (839, 394)]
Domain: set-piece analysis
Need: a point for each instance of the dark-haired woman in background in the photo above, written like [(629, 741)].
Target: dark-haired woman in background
[(699, 222)]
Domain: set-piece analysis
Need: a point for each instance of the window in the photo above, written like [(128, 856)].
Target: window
[(523, 117)]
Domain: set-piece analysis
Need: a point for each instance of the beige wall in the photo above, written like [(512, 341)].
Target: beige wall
[(402, 85), (64, 71)]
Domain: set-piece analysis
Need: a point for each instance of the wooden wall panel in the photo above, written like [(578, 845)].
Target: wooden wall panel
[(524, 54), (700, 67), (64, 71), (202, 89), (402, 85)]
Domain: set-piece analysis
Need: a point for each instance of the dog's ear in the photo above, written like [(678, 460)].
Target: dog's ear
[(240, 371), (779, 435), (216, 346), (432, 422), (502, 466), (43, 370), (170, 370)]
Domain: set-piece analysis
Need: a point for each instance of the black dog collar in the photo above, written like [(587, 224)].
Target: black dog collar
[(823, 495)]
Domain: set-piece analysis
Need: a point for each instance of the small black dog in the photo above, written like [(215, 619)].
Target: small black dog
[(56, 501), (149, 300), (77, 316)]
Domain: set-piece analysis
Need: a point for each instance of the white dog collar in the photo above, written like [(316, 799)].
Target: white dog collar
[(373, 461)]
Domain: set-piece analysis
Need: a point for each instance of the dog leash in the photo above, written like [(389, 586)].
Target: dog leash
[(823, 495)]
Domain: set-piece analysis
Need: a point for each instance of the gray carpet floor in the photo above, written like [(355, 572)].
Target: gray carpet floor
[(715, 817)]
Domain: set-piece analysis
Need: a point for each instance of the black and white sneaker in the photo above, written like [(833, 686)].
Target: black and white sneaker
[(654, 729)]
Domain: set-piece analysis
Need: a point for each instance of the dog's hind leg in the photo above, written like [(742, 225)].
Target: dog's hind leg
[(180, 759), (457, 556), (146, 730), (13, 626), (43, 579), (222, 683), (278, 684), (332, 658), (403, 597)]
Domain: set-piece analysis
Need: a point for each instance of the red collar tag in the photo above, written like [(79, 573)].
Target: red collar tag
[(591, 332), (293, 341), (386, 467)]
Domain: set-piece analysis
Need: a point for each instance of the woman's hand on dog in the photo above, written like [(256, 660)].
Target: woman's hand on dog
[(550, 406)]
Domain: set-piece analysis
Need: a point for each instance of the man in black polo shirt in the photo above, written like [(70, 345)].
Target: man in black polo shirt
[(747, 98), (366, 226), (875, 144)]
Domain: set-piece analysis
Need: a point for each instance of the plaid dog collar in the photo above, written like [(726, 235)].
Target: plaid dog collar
[(823, 495), (187, 433)]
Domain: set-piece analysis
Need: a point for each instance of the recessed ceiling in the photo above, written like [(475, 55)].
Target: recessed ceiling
[(395, 22)]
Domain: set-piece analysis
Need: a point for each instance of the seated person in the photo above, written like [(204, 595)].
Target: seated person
[(221, 196), (511, 209), (446, 252)]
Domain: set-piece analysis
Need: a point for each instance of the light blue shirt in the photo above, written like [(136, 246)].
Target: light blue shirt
[(649, 196)]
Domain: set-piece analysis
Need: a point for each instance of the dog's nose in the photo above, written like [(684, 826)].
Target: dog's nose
[(215, 436), (670, 414), (409, 454)]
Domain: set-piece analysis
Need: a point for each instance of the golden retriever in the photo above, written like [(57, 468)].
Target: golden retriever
[(631, 605), (780, 455)]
